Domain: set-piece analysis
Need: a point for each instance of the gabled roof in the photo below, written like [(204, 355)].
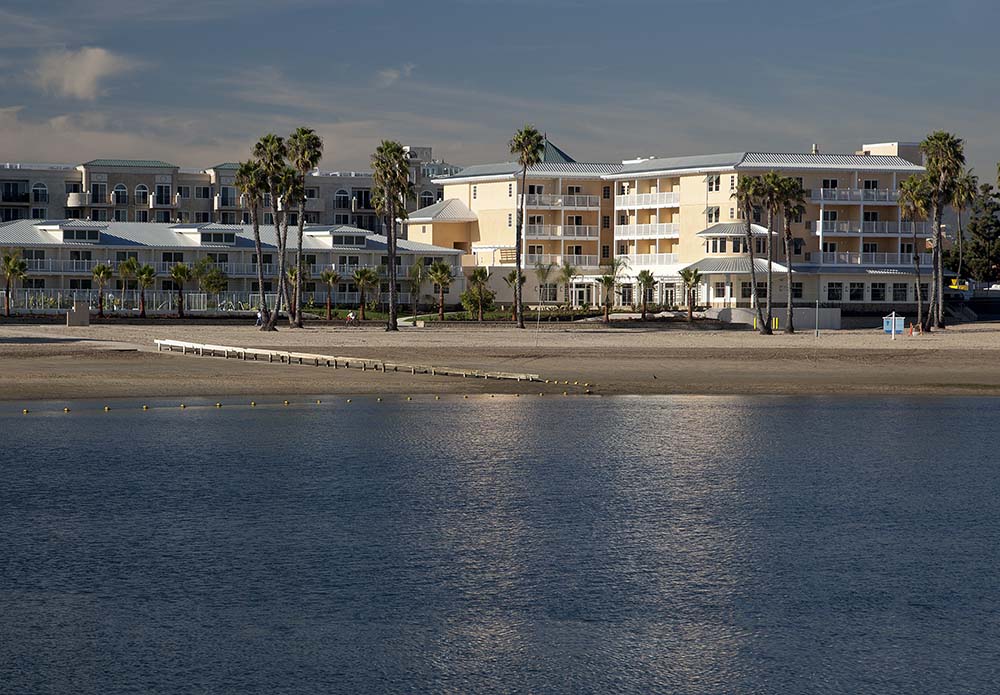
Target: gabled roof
[(228, 166), (130, 163), (770, 160), (553, 154), (735, 265), (732, 229), (511, 170), (706, 161), (451, 210)]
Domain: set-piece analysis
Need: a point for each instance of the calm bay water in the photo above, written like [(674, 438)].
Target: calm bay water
[(675, 544)]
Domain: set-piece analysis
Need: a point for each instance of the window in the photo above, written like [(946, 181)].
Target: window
[(218, 238), (268, 217), (342, 200), (200, 217), (870, 216), (712, 215), (172, 257), (99, 215), (267, 259), (797, 244), (39, 213), (80, 284), (227, 196), (738, 245), (878, 291), (717, 245), (510, 219), (203, 192), (829, 247), (141, 194), (348, 260), (796, 290), (168, 286), (33, 283), (160, 216), (899, 291), (81, 235), (39, 193), (383, 260), (341, 218), (293, 218), (120, 195), (218, 257), (72, 213), (622, 249), (714, 181), (184, 191), (98, 193), (757, 214), (534, 189), (923, 290), (719, 290), (605, 251), (829, 215), (574, 190), (856, 292), (535, 249), (574, 220), (475, 191), (125, 255), (548, 292), (311, 218), (163, 194), (348, 240), (732, 213), (906, 247), (142, 215), (255, 286), (627, 294), (81, 255), (606, 192), (760, 244), (605, 221), (426, 198), (510, 190), (73, 187), (869, 247), (732, 183), (574, 250), (623, 220), (746, 290), (830, 183), (312, 193), (762, 290), (835, 291), (870, 184)]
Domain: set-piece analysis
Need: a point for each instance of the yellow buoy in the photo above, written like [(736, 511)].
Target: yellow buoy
[(218, 405), (183, 406), (408, 398), (107, 408), (253, 404), (349, 400), (318, 402), (25, 411), (285, 402), (437, 398), (565, 393), (541, 394), (65, 410), (379, 399), (145, 407)]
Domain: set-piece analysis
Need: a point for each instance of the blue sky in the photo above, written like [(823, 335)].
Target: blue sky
[(197, 81)]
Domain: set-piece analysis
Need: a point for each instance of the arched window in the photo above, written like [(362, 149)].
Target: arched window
[(141, 194), (120, 194), (40, 193), (342, 200), (426, 198)]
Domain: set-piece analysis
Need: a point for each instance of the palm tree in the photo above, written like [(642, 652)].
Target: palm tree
[(567, 272), (417, 276), (747, 195), (646, 282), (145, 277), (966, 188), (511, 280), (529, 146), (251, 179), (440, 275), (366, 279), (772, 192), (180, 273), (542, 273), (390, 190), (479, 280), (914, 202), (102, 273), (944, 154), (330, 278), (126, 271), (793, 206), (691, 278), (270, 152), (607, 283), (290, 186), (14, 268), (305, 150)]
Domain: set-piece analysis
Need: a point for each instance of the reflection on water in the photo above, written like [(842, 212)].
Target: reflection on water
[(681, 544)]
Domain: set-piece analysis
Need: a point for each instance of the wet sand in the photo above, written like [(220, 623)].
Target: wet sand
[(110, 361)]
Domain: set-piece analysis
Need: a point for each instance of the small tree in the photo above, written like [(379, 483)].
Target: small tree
[(645, 282), (511, 280), (366, 279), (691, 278), (607, 283), (127, 270), (330, 278), (145, 277), (479, 286), (440, 275), (102, 273), (14, 268), (180, 273), (417, 276), (542, 273), (567, 273)]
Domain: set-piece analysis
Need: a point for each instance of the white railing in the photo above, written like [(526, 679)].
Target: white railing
[(658, 230), (530, 260), (854, 195), (555, 231), (548, 200), (581, 231), (872, 227), (647, 200), (221, 203), (854, 258), (583, 261), (642, 260), (123, 302), (544, 231)]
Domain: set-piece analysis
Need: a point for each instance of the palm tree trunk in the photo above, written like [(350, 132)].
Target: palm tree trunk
[(690, 293), (770, 261), (100, 301), (261, 299), (361, 302), (393, 324), (518, 309), (916, 273), (298, 260), (329, 303), (480, 305), (6, 299), (142, 302), (960, 240), (273, 318), (441, 303), (789, 310), (939, 267), (180, 302), (761, 325)]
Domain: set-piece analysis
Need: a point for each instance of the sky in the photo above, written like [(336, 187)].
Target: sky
[(196, 82)]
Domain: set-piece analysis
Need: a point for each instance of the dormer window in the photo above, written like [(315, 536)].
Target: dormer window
[(228, 238), (348, 240), (88, 235)]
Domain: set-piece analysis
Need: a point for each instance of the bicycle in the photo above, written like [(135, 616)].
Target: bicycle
[(353, 321)]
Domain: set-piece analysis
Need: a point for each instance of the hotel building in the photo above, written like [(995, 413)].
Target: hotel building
[(851, 248)]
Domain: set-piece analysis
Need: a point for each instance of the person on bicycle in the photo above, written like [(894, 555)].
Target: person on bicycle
[(352, 320)]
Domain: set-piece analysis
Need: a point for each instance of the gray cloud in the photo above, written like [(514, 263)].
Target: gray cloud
[(80, 74)]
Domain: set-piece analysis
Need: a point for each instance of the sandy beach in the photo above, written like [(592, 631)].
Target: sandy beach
[(110, 361)]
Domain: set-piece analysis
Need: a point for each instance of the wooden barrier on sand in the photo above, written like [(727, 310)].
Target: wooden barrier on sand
[(337, 362)]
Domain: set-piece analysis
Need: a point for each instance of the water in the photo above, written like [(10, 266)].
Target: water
[(675, 544)]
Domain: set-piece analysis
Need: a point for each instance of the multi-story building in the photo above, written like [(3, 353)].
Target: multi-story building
[(132, 190), (850, 247), (61, 255)]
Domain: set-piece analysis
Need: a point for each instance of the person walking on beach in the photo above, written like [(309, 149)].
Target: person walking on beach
[(260, 319)]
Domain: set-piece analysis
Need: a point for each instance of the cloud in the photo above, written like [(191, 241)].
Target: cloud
[(79, 74), (390, 76)]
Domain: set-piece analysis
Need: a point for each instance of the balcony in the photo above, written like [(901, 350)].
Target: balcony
[(14, 197), (160, 202), (314, 205), (659, 230), (645, 260), (98, 199), (554, 231), (532, 259), (36, 265), (856, 228), (226, 203), (855, 195), (555, 200), (853, 258), (648, 200), (76, 200)]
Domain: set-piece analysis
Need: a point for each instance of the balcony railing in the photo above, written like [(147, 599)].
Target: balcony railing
[(99, 198), (647, 200), (854, 195), (570, 231), (659, 230), (14, 197), (853, 258), (556, 200), (579, 261), (642, 260), (872, 227), (76, 200), (227, 203)]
